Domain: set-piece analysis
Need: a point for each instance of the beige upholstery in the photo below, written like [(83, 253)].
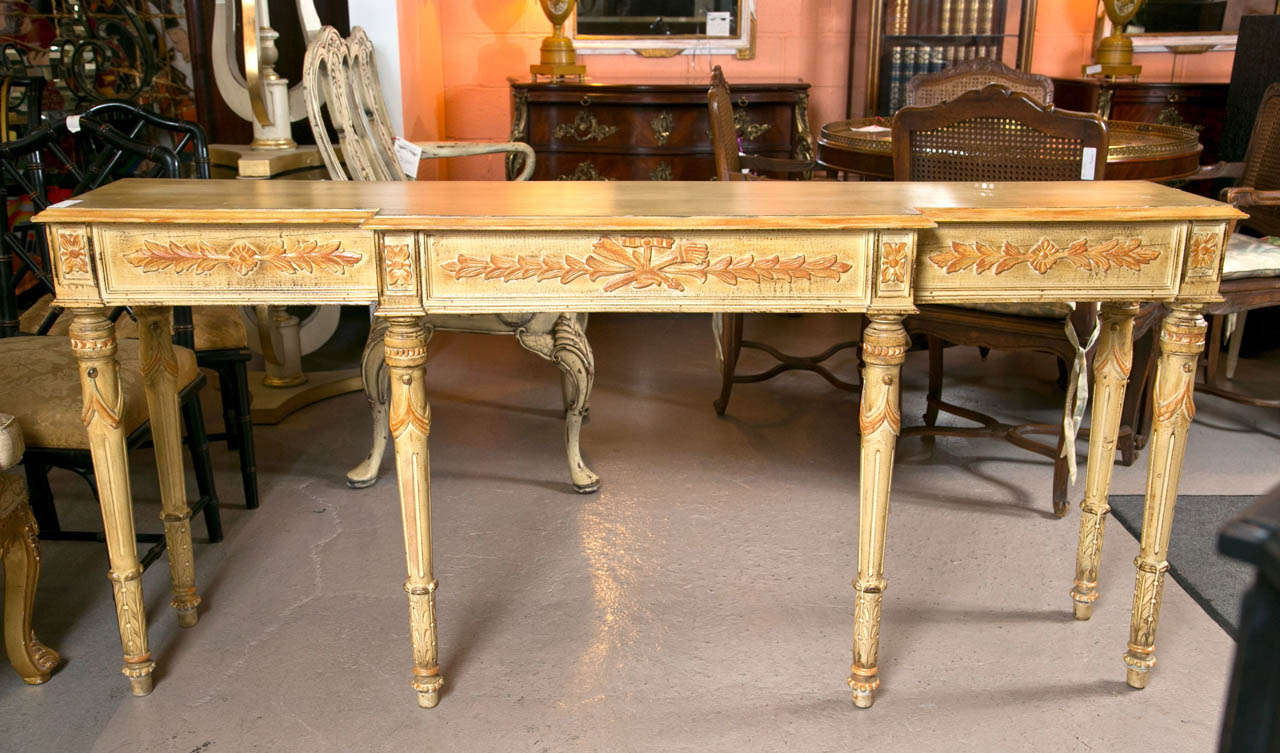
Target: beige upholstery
[(40, 385), (216, 327), (1247, 256)]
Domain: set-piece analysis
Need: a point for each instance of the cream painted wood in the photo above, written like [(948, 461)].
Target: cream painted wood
[(553, 248)]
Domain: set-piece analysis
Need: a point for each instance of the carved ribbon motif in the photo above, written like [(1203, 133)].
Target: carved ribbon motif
[(643, 262)]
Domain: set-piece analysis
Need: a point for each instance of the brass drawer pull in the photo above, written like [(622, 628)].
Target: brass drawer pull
[(586, 100)]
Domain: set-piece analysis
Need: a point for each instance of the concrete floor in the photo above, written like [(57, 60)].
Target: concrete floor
[(700, 601)]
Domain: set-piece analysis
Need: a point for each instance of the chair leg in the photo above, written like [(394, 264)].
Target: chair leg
[(41, 496), (377, 387), (568, 348), (198, 444), (20, 546), (935, 381), (730, 347), (227, 396), (1214, 351), (1233, 345), (243, 419), (1061, 477)]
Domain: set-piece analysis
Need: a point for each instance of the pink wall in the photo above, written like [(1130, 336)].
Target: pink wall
[(457, 56)]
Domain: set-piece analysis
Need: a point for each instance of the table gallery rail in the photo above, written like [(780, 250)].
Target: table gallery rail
[(491, 247)]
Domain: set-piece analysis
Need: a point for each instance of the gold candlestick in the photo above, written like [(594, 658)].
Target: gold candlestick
[(559, 61)]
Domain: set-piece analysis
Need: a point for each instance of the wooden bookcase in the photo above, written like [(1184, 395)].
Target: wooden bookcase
[(910, 37)]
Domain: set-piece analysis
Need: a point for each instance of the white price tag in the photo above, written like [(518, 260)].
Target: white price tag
[(1088, 162), (718, 23), (1089, 70), (65, 203), (73, 123), (409, 155)]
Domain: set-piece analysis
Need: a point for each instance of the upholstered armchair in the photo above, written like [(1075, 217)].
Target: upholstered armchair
[(343, 92)]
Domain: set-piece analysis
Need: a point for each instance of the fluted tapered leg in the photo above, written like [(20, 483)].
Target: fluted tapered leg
[(93, 341), (405, 351), (160, 383), (884, 347), (1181, 340), (1111, 364)]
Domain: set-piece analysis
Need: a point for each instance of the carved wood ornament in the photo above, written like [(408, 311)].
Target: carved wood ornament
[(201, 257), (1126, 253), (643, 262)]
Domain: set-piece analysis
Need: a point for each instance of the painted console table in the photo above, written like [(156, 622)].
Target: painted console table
[(457, 247)]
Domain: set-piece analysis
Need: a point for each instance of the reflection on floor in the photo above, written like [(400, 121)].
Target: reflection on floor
[(700, 601)]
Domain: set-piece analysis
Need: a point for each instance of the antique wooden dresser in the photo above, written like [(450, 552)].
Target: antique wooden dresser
[(649, 131)]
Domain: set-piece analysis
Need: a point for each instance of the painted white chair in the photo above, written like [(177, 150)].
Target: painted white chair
[(343, 93)]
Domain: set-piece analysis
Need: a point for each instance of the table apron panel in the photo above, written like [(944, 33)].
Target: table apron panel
[(959, 262), (782, 270), (242, 264)]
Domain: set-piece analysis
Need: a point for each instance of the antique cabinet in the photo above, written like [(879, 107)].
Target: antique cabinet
[(910, 37), (650, 131), (1190, 105)]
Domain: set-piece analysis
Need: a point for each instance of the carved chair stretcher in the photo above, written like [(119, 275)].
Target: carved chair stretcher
[(499, 248)]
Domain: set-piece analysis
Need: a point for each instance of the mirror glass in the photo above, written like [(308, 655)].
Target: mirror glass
[(657, 18), (1191, 16)]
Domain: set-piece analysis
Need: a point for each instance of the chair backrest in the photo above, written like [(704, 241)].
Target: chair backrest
[(340, 85), (995, 134), (1262, 161), (187, 140), (52, 155), (20, 105), (935, 88), (724, 137)]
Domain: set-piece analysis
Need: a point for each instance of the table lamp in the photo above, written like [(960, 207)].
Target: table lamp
[(559, 61), (1115, 52)]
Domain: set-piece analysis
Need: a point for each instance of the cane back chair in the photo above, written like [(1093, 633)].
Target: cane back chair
[(928, 89), (342, 91), (34, 382), (1251, 268), (733, 165), (995, 134)]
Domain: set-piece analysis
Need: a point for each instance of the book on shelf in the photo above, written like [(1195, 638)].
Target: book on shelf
[(944, 17), (895, 78), (986, 17), (935, 59)]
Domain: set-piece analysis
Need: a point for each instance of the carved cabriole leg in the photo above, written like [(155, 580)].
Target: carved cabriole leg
[(160, 383), (20, 547), (1111, 364), (884, 347), (1181, 341), (405, 351), (93, 341), (568, 348), (373, 377)]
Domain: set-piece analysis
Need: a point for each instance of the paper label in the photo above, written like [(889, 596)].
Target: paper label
[(718, 23), (73, 123), (1089, 70), (1088, 162), (65, 203), (409, 155)]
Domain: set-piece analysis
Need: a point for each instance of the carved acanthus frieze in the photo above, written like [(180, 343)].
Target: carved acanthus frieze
[(998, 258), (242, 257), (643, 262)]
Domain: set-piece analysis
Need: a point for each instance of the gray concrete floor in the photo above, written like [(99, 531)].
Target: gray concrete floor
[(700, 601)]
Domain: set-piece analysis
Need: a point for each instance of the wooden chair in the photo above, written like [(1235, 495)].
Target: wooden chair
[(928, 89), (733, 165), (37, 374), (995, 134), (20, 557), (216, 333), (343, 93), (1251, 270)]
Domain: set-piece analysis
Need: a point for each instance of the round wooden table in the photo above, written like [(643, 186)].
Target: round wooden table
[(1138, 151)]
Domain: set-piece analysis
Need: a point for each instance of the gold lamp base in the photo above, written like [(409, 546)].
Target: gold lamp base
[(1114, 58), (559, 61)]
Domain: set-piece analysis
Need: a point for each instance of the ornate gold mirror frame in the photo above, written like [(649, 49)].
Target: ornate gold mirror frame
[(742, 45)]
